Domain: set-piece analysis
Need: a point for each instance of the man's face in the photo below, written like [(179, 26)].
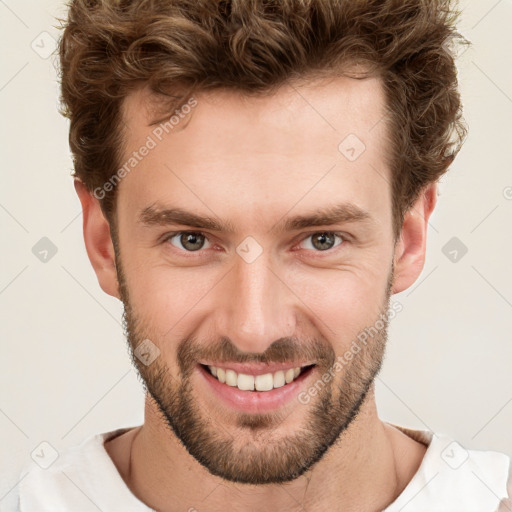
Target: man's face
[(258, 288)]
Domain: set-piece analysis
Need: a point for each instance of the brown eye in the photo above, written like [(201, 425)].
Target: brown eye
[(190, 241)]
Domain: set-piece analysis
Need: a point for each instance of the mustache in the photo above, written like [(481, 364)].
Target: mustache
[(288, 349)]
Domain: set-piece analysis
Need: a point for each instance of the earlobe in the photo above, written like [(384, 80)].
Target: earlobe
[(98, 241), (410, 249)]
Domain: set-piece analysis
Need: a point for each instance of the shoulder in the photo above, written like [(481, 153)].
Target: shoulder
[(81, 477), (452, 477)]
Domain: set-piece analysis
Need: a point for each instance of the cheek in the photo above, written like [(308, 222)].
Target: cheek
[(342, 303), (168, 299)]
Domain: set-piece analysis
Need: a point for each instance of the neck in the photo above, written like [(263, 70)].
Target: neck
[(366, 469)]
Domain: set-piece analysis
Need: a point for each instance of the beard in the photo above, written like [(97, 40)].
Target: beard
[(253, 452)]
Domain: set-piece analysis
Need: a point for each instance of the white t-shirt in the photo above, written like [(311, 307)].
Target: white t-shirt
[(450, 479)]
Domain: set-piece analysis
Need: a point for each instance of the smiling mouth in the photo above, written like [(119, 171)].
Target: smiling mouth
[(257, 383)]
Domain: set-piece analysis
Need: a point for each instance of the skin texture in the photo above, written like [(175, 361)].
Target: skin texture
[(253, 162)]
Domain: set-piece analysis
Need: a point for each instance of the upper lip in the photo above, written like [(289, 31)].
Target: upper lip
[(256, 368)]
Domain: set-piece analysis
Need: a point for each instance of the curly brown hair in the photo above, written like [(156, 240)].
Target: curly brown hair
[(109, 48)]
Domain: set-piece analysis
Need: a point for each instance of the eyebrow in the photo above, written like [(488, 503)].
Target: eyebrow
[(156, 215)]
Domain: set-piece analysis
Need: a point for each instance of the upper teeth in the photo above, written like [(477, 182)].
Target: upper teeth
[(264, 382)]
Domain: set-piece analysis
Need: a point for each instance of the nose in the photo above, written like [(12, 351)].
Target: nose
[(257, 305)]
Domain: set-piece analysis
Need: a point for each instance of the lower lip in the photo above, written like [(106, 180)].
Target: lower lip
[(255, 401)]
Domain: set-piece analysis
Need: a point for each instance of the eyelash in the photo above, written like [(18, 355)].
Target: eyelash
[(344, 239)]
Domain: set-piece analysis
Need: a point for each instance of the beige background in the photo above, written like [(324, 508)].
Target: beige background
[(64, 367)]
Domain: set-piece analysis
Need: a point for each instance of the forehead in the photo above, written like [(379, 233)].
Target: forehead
[(264, 149), (339, 103)]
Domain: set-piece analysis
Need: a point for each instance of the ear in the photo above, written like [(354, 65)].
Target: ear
[(411, 247), (98, 241)]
